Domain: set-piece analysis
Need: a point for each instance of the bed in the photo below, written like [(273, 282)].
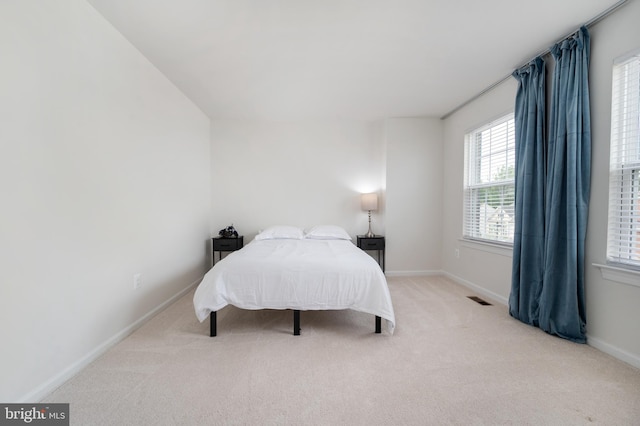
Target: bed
[(286, 268)]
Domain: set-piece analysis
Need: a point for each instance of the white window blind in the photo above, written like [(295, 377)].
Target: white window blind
[(623, 245), (489, 182)]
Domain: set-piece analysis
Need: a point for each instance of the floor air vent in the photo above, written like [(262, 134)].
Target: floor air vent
[(480, 301)]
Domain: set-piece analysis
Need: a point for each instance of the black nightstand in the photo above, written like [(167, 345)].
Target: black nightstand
[(376, 243), (220, 244)]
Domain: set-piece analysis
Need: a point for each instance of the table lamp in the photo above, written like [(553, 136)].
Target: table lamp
[(369, 203)]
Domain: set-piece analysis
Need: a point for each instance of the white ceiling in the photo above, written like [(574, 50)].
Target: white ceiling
[(340, 59)]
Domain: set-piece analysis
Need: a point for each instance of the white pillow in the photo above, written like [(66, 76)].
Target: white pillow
[(281, 232), (327, 232)]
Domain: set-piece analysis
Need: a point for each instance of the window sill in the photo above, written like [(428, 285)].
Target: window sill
[(621, 275), (501, 249)]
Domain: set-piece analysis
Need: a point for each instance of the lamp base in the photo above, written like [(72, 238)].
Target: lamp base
[(369, 234)]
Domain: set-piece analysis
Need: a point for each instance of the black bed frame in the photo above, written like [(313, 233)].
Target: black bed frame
[(296, 323)]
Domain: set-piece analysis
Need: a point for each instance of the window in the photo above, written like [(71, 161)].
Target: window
[(623, 245), (489, 192)]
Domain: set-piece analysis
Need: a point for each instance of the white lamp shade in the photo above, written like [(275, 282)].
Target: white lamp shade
[(369, 201)]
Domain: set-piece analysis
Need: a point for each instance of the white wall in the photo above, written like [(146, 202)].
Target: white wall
[(488, 271), (103, 174), (294, 173), (308, 173), (612, 308), (414, 195)]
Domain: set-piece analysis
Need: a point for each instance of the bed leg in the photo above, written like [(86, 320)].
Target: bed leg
[(296, 322), (378, 325), (213, 328)]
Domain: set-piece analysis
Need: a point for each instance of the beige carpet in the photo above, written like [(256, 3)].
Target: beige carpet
[(451, 361)]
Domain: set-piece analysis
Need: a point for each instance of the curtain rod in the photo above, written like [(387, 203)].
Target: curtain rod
[(589, 23)]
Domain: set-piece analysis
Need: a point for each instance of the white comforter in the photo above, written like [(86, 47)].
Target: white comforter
[(296, 274)]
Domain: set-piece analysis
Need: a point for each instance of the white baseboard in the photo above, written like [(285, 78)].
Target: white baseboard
[(614, 351), (483, 291), (56, 381), (412, 273)]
